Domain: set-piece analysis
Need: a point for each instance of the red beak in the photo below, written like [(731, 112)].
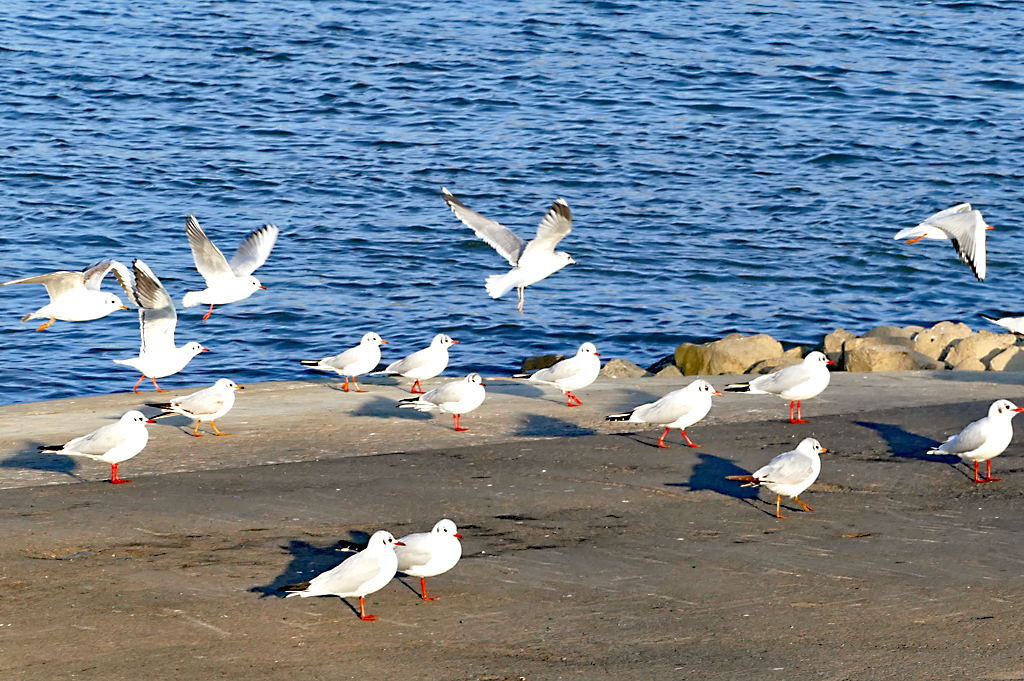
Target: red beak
[(454, 341), (263, 287), (457, 535), (829, 362), (717, 393), (206, 350), (150, 421), (399, 543), (597, 354), (1018, 409)]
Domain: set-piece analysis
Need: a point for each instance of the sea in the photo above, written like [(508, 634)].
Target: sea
[(730, 166)]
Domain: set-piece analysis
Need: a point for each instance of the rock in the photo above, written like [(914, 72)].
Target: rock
[(912, 330), (797, 352), (538, 362), (958, 329), (734, 354), (667, 360), (936, 341), (982, 346), (668, 371), (888, 331), (885, 353), (767, 366), (834, 345), (622, 368), (1010, 359), (970, 364)]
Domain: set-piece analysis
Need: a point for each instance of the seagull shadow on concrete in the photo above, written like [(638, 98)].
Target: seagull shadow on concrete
[(509, 386), (308, 561), (385, 408), (32, 459), (906, 445), (710, 473), (536, 425)]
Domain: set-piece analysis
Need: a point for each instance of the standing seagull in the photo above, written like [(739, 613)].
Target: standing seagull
[(158, 355), (790, 473), (530, 262), (984, 439), (456, 398), (422, 364), (206, 405), (795, 383), (111, 444), (356, 361), (679, 409), (570, 374), (227, 282), (76, 296), (961, 225), (428, 554), (368, 571)]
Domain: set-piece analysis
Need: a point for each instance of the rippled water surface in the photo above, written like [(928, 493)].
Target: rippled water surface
[(727, 171)]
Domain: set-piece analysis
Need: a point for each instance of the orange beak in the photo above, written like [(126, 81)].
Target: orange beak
[(125, 307), (717, 393), (454, 341), (457, 535), (1019, 409), (263, 287), (597, 354), (206, 350)]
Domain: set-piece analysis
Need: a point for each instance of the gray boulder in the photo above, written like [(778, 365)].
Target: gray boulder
[(622, 368), (734, 354), (834, 345), (983, 346), (885, 353), (538, 362)]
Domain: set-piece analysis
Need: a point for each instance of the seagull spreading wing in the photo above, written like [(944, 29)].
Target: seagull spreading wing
[(76, 296)]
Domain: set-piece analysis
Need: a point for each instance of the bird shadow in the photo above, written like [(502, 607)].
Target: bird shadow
[(384, 408), (32, 459), (510, 386), (907, 445), (536, 425), (631, 399), (709, 474), (308, 561)]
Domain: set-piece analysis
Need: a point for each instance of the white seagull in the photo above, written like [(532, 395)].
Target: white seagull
[(455, 398), (356, 361), (794, 383), (961, 225), (422, 364), (368, 571), (570, 374), (788, 474), (158, 355), (227, 282), (76, 296), (679, 409), (111, 444), (1013, 324), (206, 405), (984, 439), (428, 554), (530, 262)]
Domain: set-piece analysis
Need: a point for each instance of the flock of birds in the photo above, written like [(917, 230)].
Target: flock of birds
[(77, 296)]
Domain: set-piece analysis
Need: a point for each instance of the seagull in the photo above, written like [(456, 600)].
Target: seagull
[(456, 398), (570, 374), (530, 262), (790, 473), (368, 571), (356, 361), (206, 405), (428, 554), (1013, 324), (111, 444), (679, 409), (76, 296), (227, 282), (794, 383), (984, 439), (961, 225), (158, 355), (422, 364)]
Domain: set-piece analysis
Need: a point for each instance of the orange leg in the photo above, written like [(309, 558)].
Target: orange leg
[(458, 424), (416, 388), (688, 441), (195, 433), (798, 418), (114, 479), (356, 386), (217, 431), (138, 382), (423, 588), (914, 241), (661, 442), (208, 313), (45, 326), (158, 388), (344, 386), (362, 612), (572, 398), (778, 507), (806, 507)]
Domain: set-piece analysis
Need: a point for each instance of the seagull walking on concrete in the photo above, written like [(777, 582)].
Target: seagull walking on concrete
[(455, 398), (158, 355), (794, 383), (365, 573), (206, 405), (570, 374), (227, 282), (788, 474), (422, 364), (356, 361), (961, 225), (984, 439), (76, 296), (679, 409), (530, 262), (110, 444), (428, 554)]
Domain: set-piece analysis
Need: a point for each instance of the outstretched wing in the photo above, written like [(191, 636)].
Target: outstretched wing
[(967, 232), (56, 283), (157, 317), (498, 236), (126, 280), (555, 226), (254, 251), (210, 262)]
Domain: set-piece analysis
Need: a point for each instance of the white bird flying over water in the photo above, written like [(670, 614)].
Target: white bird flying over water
[(679, 409), (530, 262), (206, 405), (158, 355), (961, 225), (570, 374), (455, 398), (422, 364), (356, 361), (112, 444), (984, 439), (227, 282), (788, 474), (794, 383), (76, 296)]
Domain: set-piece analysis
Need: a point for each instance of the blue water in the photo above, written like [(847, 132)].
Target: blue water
[(730, 167)]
